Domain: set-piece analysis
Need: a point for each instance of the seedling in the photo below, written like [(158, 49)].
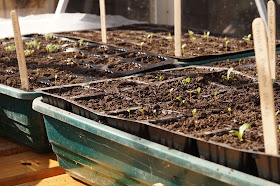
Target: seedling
[(192, 38), (81, 41), (215, 95), (139, 38), (128, 113), (52, 48), (181, 100), (226, 43), (28, 52), (169, 36), (247, 38), (150, 36), (170, 93), (228, 74), (239, 133), (159, 77), (183, 48), (190, 92), (277, 112), (229, 110), (55, 78), (141, 45), (278, 128), (198, 91), (206, 35), (239, 62), (142, 111), (194, 119), (33, 44), (48, 36), (185, 81), (10, 48)]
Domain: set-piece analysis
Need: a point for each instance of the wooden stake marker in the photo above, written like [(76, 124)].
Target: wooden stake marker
[(103, 21), (265, 87), (20, 53), (271, 14), (177, 28)]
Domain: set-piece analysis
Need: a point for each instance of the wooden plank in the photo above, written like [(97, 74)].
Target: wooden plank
[(28, 166), (20, 52), (177, 28), (271, 35), (9, 148), (63, 179), (103, 21), (265, 88)]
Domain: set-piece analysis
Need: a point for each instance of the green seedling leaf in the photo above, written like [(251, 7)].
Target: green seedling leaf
[(193, 111), (239, 133), (214, 93), (228, 73), (33, 44), (52, 48), (247, 38), (198, 90), (48, 36), (183, 47), (206, 35), (278, 128), (159, 77), (28, 52), (277, 112), (169, 36), (180, 99), (10, 48)]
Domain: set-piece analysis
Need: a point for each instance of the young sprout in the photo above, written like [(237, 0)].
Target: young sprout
[(81, 41), (190, 92), (52, 48), (159, 77), (142, 111), (48, 36), (226, 43), (33, 44), (128, 113), (206, 35), (229, 110), (192, 38), (239, 62), (239, 133), (141, 45), (228, 73), (277, 112), (170, 93), (10, 48), (181, 100), (139, 38), (215, 95), (183, 48), (278, 128), (28, 52), (247, 38), (169, 36), (55, 78), (187, 80), (150, 36), (198, 91), (194, 120)]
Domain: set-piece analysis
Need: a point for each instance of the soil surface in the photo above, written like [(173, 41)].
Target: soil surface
[(146, 98), (59, 61), (158, 41)]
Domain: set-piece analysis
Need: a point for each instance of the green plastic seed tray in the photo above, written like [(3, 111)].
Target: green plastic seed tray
[(19, 122), (98, 154)]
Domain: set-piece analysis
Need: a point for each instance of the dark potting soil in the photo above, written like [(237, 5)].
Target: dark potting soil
[(159, 42), (73, 62), (212, 112)]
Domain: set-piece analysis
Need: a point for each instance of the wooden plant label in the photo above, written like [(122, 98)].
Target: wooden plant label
[(271, 14), (177, 28), (265, 87), (103, 21), (20, 53)]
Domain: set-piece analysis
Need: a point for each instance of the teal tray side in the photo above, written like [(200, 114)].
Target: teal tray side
[(19, 122), (89, 144)]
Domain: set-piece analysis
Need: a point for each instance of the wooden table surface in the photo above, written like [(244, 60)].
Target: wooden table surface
[(21, 166)]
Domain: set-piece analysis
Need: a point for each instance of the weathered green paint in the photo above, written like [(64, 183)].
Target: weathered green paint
[(86, 148), (19, 122)]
